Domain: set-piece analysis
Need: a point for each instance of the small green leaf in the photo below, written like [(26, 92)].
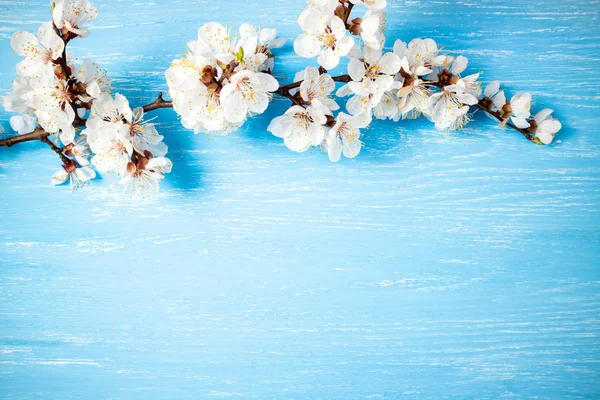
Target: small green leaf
[(240, 54), (537, 140)]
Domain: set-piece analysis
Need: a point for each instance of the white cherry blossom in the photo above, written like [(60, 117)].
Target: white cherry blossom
[(317, 86), (366, 95), (71, 15), (51, 103), (80, 149), (419, 57), (412, 97), (494, 93), (377, 67), (143, 177), (328, 41), (40, 53), (93, 79), (368, 27), (449, 108), (112, 149), (200, 108), (77, 176), (247, 91), (300, 127), (520, 104), (268, 41), (216, 43), (344, 137), (546, 126)]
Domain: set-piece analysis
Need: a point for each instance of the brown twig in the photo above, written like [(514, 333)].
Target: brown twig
[(500, 118), (348, 12), (37, 134), (56, 149), (158, 103)]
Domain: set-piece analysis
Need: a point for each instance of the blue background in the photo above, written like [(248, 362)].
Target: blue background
[(432, 266)]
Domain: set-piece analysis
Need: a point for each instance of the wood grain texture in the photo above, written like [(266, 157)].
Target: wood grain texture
[(433, 266)]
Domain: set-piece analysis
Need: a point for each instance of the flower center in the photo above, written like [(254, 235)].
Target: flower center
[(328, 39), (303, 120)]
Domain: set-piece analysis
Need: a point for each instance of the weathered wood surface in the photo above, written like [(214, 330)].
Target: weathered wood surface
[(432, 266)]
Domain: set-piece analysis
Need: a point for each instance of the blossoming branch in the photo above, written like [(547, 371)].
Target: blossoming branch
[(226, 77)]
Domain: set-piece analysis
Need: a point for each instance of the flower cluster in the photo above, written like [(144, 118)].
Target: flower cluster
[(68, 105), (224, 78), (412, 80)]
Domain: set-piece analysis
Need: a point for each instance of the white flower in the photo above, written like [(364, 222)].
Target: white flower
[(493, 92), (78, 176), (459, 65), (412, 97), (449, 108), (200, 108), (300, 127), (419, 57), (371, 4), (144, 136), (40, 53), (316, 86), (377, 67), (23, 124), (52, 105), (268, 38), (215, 42), (370, 29), (387, 106), (366, 95), (15, 101), (327, 40), (112, 149), (546, 126), (80, 149), (108, 133), (267, 41), (520, 104), (144, 176), (71, 15), (344, 137), (94, 80), (247, 91), (107, 110), (112, 123)]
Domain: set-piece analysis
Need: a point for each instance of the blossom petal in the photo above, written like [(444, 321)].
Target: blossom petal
[(214, 35), (520, 122), (307, 46), (389, 63), (50, 40), (59, 177), (267, 82), (356, 69), (459, 65), (24, 44), (492, 89), (334, 145), (328, 59)]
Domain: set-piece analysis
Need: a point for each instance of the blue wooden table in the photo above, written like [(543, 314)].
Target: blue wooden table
[(432, 266)]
